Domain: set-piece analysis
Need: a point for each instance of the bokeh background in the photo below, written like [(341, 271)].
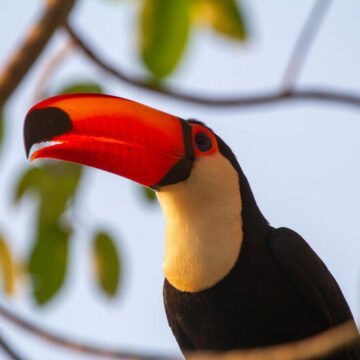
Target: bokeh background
[(301, 159)]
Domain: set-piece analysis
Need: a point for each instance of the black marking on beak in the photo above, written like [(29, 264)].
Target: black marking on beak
[(179, 172), (43, 124), (182, 169)]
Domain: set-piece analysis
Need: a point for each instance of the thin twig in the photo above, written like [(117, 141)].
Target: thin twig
[(302, 46), (264, 98), (9, 351), (50, 67), (76, 346), (316, 347), (21, 62)]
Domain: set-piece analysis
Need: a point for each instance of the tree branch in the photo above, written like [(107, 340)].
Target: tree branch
[(261, 98), (302, 46), (50, 67), (316, 347), (12, 355), (54, 15), (76, 346)]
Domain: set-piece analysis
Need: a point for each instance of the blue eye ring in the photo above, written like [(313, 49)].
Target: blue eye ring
[(203, 142)]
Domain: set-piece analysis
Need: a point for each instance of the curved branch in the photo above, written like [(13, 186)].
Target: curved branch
[(302, 46), (264, 98), (50, 67), (54, 15), (12, 355), (316, 347), (76, 346)]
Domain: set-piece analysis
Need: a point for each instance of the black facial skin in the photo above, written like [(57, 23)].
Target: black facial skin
[(182, 169)]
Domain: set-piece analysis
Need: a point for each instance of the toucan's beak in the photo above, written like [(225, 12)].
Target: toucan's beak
[(113, 134)]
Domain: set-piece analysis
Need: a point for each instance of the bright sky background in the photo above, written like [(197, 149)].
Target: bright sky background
[(302, 161)]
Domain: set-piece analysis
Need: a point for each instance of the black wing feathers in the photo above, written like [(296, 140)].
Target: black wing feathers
[(309, 275)]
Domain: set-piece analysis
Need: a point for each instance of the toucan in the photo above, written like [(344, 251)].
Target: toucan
[(232, 281)]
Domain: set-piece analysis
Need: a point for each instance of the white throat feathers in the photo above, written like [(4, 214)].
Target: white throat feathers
[(203, 225)]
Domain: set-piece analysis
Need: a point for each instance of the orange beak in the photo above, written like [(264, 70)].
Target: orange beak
[(113, 134)]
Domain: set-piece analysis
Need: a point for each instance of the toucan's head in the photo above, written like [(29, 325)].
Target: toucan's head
[(148, 146), (200, 186)]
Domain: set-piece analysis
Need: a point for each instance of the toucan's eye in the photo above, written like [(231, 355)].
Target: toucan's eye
[(203, 142)]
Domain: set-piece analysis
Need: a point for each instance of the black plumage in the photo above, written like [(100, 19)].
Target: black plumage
[(278, 291)]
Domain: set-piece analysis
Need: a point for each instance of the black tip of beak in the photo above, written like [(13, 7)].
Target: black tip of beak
[(43, 125)]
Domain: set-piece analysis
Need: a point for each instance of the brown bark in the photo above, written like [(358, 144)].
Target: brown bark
[(54, 15)]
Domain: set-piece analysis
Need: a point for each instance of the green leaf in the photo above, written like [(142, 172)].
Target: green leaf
[(55, 184), (58, 188), (31, 181), (48, 263), (82, 87), (107, 263), (149, 194), (8, 267), (165, 28), (225, 16)]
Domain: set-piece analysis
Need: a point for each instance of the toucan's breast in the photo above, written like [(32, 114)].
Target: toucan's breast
[(252, 306)]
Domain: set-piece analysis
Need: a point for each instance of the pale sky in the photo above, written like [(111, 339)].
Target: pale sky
[(301, 160)]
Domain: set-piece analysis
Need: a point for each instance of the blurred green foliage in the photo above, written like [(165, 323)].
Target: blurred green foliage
[(225, 17), (107, 263), (48, 262), (82, 87), (54, 185), (165, 26), (8, 267), (148, 195)]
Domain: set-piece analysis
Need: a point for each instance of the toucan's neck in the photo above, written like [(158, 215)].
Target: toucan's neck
[(203, 225), (254, 222)]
